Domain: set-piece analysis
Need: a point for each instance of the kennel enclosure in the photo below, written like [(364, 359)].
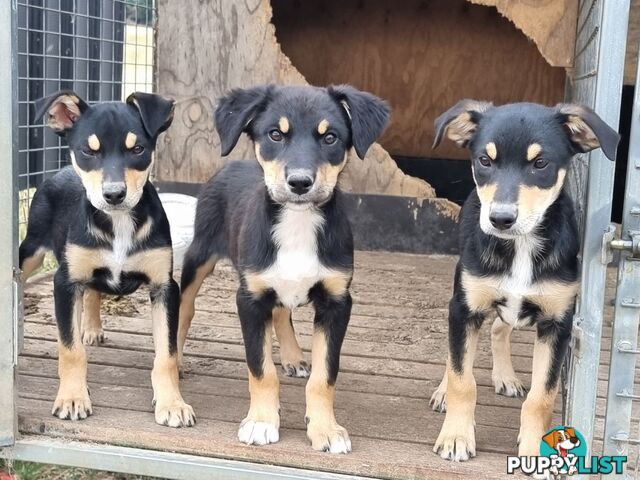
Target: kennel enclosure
[(205, 48)]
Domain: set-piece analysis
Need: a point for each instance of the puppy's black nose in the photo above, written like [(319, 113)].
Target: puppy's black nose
[(114, 193), (503, 217), (299, 183)]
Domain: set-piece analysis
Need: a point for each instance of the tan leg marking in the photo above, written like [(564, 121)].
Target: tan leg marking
[(322, 428), (457, 439), (188, 304), (555, 298), (262, 423), (438, 400), (537, 409), (480, 292), (92, 333), (72, 401), (170, 408), (504, 377), (291, 357), (32, 263)]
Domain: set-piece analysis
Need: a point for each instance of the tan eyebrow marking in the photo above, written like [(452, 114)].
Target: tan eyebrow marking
[(492, 151), (284, 124), (323, 126), (93, 142), (130, 140), (533, 151)]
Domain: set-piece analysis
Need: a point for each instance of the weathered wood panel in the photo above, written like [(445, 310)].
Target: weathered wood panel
[(422, 57), (551, 24), (205, 48)]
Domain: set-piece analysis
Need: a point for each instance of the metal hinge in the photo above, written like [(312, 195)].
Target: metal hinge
[(610, 243)]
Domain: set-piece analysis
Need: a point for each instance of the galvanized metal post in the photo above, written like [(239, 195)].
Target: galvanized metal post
[(8, 222), (611, 32), (624, 343)]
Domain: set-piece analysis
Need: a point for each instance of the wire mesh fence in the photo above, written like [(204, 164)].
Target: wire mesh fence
[(101, 49)]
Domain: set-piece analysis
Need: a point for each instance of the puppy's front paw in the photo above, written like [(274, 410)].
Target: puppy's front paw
[(457, 440), (253, 432), (328, 436), (72, 403), (93, 336), (299, 369), (174, 414), (508, 385), (438, 400)]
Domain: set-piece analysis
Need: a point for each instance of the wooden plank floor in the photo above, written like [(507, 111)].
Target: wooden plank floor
[(392, 360)]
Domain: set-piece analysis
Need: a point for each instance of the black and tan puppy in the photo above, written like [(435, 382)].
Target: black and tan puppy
[(282, 224), (105, 224), (518, 262)]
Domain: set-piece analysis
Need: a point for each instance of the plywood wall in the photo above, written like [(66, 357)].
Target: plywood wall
[(207, 47), (422, 56)]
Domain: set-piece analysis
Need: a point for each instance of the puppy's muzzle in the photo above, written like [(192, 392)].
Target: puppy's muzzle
[(114, 193), (299, 182), (503, 216)]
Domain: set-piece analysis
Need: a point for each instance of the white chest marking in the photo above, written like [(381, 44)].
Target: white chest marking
[(297, 267), (519, 282), (123, 238)]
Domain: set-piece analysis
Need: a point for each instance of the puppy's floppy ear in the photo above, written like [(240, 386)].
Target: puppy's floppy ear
[(235, 111), (460, 122), (571, 432), (551, 438), (586, 130), (63, 109), (368, 114), (156, 111)]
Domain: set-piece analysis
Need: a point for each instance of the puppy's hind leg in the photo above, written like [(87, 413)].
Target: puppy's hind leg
[(438, 400), (92, 333), (196, 267), (504, 377), (31, 255), (291, 357)]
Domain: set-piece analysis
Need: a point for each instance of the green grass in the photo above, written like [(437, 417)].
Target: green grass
[(37, 471)]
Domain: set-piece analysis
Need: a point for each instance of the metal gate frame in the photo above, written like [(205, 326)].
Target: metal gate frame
[(602, 25), (624, 343), (612, 18)]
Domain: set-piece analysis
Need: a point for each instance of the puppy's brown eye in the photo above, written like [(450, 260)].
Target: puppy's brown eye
[(330, 138), (138, 149), (484, 161), (88, 152), (276, 135), (540, 163)]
